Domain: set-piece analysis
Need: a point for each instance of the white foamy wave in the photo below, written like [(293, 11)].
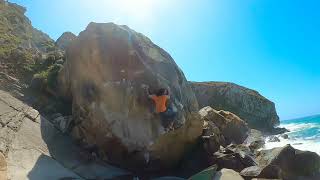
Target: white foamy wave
[(293, 127), (317, 136), (301, 144)]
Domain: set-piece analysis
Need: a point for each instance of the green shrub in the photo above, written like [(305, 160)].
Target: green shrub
[(39, 81), (53, 75)]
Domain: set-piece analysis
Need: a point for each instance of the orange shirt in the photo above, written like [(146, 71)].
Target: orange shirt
[(160, 102)]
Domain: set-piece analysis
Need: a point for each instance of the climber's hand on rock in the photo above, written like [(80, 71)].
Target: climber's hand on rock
[(144, 86)]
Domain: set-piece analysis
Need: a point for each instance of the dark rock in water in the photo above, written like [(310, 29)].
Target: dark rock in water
[(234, 129), (297, 143), (278, 130), (106, 68), (65, 40), (288, 162), (249, 105), (273, 139), (285, 136)]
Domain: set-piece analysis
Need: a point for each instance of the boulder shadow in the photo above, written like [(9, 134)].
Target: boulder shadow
[(67, 160)]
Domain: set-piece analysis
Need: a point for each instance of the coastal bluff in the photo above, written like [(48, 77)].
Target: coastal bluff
[(259, 112)]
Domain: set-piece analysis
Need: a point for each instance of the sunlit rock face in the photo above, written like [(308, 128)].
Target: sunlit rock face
[(105, 70), (65, 40), (259, 112)]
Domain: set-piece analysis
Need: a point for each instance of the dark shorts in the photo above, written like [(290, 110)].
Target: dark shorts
[(167, 117)]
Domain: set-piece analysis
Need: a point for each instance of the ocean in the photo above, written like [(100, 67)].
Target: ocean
[(304, 134)]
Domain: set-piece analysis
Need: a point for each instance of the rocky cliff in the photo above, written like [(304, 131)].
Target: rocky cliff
[(21, 44), (249, 105), (105, 71), (65, 40)]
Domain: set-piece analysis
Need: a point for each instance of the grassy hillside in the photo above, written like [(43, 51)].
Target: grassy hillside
[(21, 45)]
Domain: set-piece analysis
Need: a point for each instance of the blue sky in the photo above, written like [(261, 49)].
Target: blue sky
[(272, 46)]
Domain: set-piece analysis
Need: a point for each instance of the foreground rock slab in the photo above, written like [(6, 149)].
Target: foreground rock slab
[(29, 156), (36, 150), (227, 174)]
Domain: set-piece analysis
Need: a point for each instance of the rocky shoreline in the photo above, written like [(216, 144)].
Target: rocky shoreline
[(79, 108)]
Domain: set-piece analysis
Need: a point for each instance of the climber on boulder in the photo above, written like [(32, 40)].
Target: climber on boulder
[(166, 113)]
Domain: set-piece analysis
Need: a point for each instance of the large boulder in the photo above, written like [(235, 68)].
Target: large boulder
[(105, 70), (65, 40), (234, 129), (285, 162), (249, 105)]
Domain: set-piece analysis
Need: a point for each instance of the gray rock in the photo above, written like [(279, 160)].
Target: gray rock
[(236, 157), (273, 139), (255, 140), (277, 130), (212, 137), (3, 146), (285, 136), (31, 113), (234, 129), (227, 174), (58, 120), (287, 162), (252, 171), (65, 124), (56, 115)]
